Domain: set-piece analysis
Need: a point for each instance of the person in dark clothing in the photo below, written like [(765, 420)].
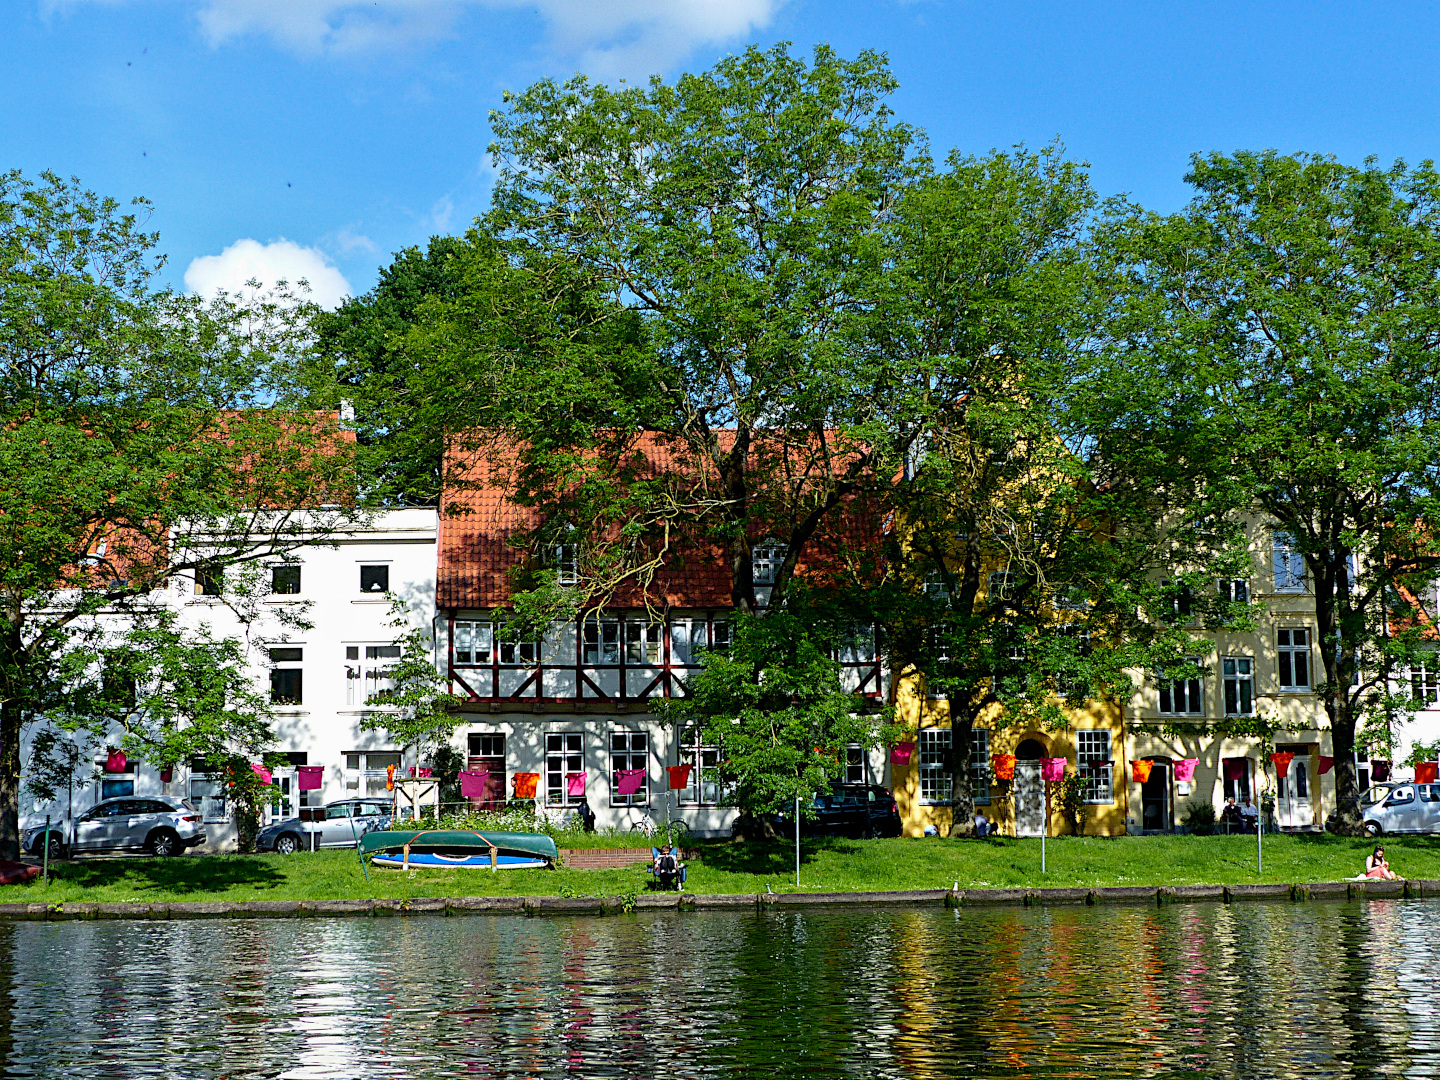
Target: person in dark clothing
[(587, 816)]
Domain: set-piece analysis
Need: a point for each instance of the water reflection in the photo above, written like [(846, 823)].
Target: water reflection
[(1264, 990)]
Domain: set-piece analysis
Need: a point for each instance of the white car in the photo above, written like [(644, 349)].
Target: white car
[(1408, 808), (158, 824)]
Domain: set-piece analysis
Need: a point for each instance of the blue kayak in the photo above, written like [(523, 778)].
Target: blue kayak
[(430, 860)]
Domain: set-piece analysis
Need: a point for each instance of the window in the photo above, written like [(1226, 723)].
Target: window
[(474, 642), (372, 675), (854, 764), (486, 745), (1071, 598), (629, 750), (936, 783), (602, 643), (210, 579), (1233, 590), (564, 753), (1238, 673), (1094, 764), (285, 579), (1288, 563), (1237, 778), (374, 579), (1182, 697), (287, 686), (1002, 585), (643, 643), (1424, 682), (687, 641), (704, 788), (937, 588), (522, 653), (766, 559), (980, 764), (366, 771), (114, 788), (1294, 644), (207, 794), (567, 565)]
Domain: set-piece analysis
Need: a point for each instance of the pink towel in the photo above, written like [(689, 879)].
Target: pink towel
[(1052, 768), (900, 755), (1185, 769), (472, 784), (420, 772), (575, 784), (309, 777), (262, 772), (115, 761), (629, 781)]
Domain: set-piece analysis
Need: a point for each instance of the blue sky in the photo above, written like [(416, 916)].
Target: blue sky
[(319, 136)]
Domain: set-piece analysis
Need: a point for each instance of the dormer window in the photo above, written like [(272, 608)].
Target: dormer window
[(766, 559), (565, 559)]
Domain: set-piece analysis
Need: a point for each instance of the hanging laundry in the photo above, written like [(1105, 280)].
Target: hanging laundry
[(629, 781), (1379, 771), (1236, 768), (679, 777), (1140, 769), (1281, 761), (574, 784), (389, 777), (1425, 772), (1052, 769), (525, 784), (309, 777), (900, 754), (472, 783), (262, 772), (167, 774), (1004, 765), (115, 761), (1326, 764), (1185, 769)]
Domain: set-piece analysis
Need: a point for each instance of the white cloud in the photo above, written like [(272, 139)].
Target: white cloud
[(282, 260), (605, 37), (350, 241)]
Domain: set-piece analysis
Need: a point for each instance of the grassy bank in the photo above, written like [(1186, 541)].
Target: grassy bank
[(827, 866)]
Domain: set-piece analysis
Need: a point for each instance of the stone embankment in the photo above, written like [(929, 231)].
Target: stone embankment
[(609, 905)]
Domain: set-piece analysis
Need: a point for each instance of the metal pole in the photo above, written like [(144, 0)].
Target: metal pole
[(47, 849), (1045, 818), (797, 841), (362, 854)]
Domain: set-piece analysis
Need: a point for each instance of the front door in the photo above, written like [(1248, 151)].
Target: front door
[(1155, 799), (1029, 799), (1293, 808)]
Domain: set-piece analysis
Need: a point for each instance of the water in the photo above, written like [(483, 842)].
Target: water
[(1246, 991)]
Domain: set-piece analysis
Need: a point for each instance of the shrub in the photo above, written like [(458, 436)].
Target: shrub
[(1070, 797), (1200, 816)]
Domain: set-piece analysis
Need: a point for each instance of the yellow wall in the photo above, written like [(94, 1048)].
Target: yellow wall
[(914, 710)]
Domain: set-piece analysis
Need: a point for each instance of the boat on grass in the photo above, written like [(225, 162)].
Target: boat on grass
[(470, 849)]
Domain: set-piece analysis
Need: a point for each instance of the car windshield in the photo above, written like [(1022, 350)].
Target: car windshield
[(1375, 794)]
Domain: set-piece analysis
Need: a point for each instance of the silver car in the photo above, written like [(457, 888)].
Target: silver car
[(341, 824), (1408, 808), (158, 824)]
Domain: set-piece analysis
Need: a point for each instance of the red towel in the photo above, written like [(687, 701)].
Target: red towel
[(420, 772), (1326, 764), (679, 777), (1425, 772), (1004, 766), (309, 777), (1379, 771), (1281, 762), (1236, 768), (472, 784)]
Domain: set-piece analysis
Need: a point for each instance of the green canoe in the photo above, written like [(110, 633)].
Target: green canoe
[(535, 845)]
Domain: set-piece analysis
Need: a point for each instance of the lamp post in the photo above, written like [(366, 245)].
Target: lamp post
[(797, 841)]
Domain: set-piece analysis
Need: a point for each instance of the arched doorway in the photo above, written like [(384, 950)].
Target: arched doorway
[(1029, 792)]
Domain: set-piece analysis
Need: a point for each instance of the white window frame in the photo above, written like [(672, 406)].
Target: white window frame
[(214, 808), (1238, 680), (1094, 760), (1000, 585), (527, 652), (1287, 564), (766, 558), (937, 588), (474, 644), (704, 788), (565, 558), (1172, 691), (1233, 590), (370, 766), (298, 568), (1292, 646), (634, 755), (644, 643), (600, 643), (1425, 682), (937, 785), (564, 754), (855, 765), (368, 666), (980, 765)]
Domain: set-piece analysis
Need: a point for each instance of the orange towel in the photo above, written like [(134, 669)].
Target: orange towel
[(1425, 772), (1140, 769), (1004, 766), (525, 784)]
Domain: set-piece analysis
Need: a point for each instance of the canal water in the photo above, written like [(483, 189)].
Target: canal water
[(1205, 990)]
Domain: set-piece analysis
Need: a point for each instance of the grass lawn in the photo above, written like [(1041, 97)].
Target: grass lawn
[(828, 865)]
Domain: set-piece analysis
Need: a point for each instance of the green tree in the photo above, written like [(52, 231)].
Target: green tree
[(144, 435), (1275, 356), (416, 709)]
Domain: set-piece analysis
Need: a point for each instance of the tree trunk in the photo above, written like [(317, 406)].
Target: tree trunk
[(9, 779), (1332, 591), (962, 794)]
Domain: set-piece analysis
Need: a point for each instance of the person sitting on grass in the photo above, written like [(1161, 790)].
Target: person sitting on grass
[(669, 870), (1377, 867), (982, 826)]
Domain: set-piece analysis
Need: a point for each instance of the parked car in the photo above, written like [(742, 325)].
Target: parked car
[(1407, 808), (334, 826), (855, 810), (158, 824)]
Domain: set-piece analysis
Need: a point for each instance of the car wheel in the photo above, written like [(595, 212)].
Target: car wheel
[(1372, 828), (287, 844), (163, 842), (57, 849)]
